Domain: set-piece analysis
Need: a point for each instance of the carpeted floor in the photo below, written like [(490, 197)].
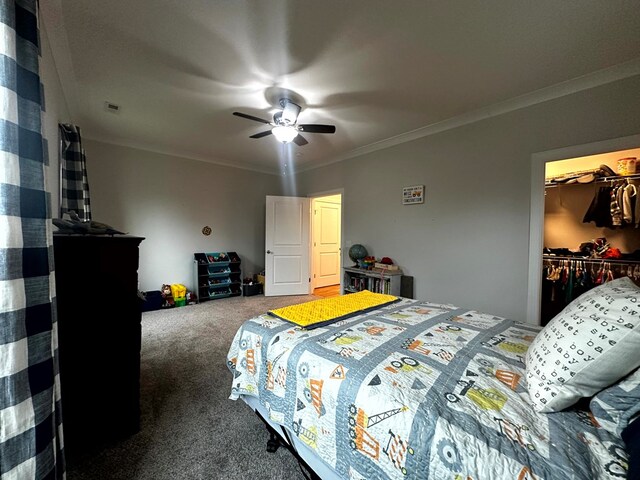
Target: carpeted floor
[(190, 430)]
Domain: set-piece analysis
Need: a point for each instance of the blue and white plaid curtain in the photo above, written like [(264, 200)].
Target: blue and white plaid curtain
[(30, 421), (74, 186)]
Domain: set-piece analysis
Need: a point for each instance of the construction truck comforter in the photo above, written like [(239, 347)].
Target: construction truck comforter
[(417, 390)]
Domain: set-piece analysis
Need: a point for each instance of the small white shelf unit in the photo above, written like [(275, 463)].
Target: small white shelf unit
[(376, 281)]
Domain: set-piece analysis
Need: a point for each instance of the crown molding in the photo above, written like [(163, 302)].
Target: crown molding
[(178, 154), (575, 85)]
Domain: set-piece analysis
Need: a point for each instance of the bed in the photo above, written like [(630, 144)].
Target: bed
[(414, 390)]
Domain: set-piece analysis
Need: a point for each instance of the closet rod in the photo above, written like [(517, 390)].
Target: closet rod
[(591, 259), (597, 180)]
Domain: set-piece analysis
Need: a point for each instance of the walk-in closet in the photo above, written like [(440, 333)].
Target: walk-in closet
[(591, 225)]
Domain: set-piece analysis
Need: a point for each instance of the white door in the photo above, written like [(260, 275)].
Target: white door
[(287, 246), (326, 241)]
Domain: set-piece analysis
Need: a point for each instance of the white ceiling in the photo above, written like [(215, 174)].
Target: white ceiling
[(376, 69)]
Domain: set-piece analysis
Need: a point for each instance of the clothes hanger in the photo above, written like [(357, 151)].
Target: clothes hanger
[(609, 273), (600, 274)]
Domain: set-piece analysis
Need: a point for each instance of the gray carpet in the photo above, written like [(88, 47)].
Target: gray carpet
[(190, 429)]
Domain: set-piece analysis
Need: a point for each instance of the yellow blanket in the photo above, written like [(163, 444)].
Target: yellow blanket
[(322, 312)]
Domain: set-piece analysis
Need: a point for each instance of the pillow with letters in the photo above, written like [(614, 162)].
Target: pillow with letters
[(588, 346)]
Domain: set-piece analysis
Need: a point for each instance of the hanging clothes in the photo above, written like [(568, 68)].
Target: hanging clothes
[(564, 280), (636, 209), (569, 281), (600, 209), (628, 203), (634, 200), (616, 211), (74, 185), (553, 300)]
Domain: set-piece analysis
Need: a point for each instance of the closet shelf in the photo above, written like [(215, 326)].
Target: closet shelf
[(615, 261), (598, 180)]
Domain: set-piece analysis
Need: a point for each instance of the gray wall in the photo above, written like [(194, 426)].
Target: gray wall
[(468, 243), (163, 198), (56, 111), (169, 199)]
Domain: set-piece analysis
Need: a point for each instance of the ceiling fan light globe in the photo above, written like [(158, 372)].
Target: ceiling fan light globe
[(284, 134)]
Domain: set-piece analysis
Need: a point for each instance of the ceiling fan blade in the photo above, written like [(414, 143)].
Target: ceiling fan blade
[(300, 140), (251, 117), (290, 112), (261, 134), (317, 128)]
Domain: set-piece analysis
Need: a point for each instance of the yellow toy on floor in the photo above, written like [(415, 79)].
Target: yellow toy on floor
[(179, 293)]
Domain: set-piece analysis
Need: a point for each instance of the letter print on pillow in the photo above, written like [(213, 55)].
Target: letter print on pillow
[(591, 344)]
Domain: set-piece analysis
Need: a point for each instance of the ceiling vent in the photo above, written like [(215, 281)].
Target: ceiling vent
[(111, 107)]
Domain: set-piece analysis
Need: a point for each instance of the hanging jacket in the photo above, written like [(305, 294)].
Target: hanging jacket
[(616, 211), (628, 203), (600, 209), (636, 210)]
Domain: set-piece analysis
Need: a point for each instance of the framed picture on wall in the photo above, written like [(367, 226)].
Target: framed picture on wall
[(412, 195)]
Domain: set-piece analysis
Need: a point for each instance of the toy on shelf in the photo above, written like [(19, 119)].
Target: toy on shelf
[(367, 262), (167, 297), (385, 263)]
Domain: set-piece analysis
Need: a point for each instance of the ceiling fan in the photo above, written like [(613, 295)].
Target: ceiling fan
[(285, 126)]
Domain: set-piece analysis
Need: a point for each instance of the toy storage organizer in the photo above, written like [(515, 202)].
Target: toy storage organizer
[(217, 275)]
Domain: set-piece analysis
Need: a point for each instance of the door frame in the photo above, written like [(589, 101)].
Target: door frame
[(536, 215), (312, 196)]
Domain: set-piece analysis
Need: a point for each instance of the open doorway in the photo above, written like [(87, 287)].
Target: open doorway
[(303, 240), (558, 223), (326, 241)]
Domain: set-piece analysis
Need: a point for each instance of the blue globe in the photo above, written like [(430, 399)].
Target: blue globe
[(357, 252)]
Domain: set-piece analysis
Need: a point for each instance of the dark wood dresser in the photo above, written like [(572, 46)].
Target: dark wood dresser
[(99, 335)]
